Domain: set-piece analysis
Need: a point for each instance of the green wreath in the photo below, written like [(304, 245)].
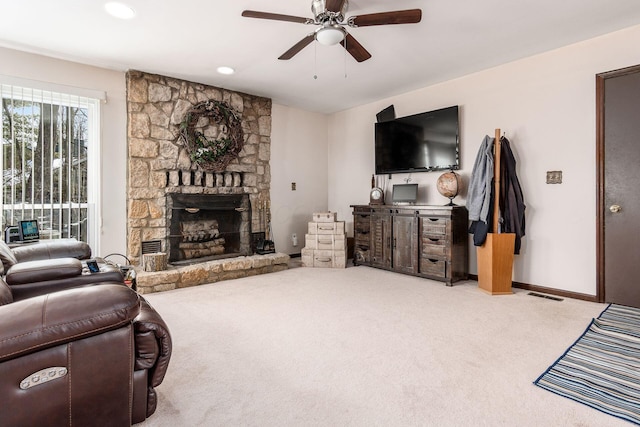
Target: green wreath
[(212, 155)]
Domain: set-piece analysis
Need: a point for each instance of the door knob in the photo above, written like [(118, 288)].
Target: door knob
[(615, 208)]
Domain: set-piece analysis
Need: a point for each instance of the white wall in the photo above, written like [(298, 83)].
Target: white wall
[(298, 154), (546, 106), (114, 119)]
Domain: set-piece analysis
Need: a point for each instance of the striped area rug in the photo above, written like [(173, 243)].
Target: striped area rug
[(602, 368)]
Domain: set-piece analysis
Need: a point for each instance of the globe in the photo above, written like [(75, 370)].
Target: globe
[(448, 185)]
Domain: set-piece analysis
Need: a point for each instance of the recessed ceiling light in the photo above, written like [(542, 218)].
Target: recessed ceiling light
[(119, 10), (225, 70)]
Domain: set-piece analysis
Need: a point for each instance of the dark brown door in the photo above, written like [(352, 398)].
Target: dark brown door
[(619, 181)]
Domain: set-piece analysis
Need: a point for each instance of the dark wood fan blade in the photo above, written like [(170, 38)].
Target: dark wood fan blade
[(334, 5), (410, 16), (274, 16), (356, 50), (297, 47)]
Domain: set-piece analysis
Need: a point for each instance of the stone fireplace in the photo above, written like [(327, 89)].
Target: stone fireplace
[(197, 215)]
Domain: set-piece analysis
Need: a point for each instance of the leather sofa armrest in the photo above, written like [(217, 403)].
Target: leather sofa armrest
[(50, 249), (153, 343), (53, 319), (39, 271)]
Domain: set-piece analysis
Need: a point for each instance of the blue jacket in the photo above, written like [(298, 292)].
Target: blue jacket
[(479, 195)]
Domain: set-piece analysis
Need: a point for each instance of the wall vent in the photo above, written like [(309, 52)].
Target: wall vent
[(151, 246)]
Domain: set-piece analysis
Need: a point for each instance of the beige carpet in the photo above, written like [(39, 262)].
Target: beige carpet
[(365, 347)]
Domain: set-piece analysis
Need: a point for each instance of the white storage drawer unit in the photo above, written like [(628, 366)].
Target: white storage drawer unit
[(325, 243)]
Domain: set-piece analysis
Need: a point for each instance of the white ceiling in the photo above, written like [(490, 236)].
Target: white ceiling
[(189, 39)]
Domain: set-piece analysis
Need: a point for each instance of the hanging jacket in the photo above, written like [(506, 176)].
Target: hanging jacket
[(511, 200), (479, 194)]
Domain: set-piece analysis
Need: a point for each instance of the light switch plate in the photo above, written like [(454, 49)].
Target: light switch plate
[(554, 177)]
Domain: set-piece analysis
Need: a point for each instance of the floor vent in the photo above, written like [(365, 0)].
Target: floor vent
[(535, 294)]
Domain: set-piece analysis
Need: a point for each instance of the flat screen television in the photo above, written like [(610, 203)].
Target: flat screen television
[(419, 143)]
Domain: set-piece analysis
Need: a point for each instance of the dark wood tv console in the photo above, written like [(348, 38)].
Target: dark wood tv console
[(426, 241)]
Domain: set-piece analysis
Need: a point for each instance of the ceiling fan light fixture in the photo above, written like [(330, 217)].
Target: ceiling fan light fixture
[(330, 35)]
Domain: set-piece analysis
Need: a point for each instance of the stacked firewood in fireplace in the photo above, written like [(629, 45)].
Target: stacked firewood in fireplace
[(200, 239)]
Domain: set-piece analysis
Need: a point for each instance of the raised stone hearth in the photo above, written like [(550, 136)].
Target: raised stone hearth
[(210, 272)]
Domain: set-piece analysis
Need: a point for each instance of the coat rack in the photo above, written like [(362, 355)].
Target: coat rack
[(495, 256)]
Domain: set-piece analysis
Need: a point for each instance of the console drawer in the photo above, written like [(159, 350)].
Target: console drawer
[(433, 267), (361, 227), (433, 251), (435, 245), (362, 240), (434, 225)]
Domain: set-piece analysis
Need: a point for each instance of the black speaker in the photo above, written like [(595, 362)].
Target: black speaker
[(386, 115)]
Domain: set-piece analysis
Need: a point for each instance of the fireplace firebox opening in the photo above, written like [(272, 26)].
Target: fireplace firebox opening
[(208, 226)]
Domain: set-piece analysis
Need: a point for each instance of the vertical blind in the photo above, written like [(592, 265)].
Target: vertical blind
[(49, 143)]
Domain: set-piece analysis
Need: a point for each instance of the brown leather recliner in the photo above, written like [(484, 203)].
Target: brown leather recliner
[(34, 269), (84, 356)]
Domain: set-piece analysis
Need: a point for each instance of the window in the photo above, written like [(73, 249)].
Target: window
[(49, 161)]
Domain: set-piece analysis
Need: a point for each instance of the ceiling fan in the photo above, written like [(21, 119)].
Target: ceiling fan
[(330, 16)]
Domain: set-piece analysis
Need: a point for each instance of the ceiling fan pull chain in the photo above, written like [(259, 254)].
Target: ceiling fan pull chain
[(344, 54), (315, 61)]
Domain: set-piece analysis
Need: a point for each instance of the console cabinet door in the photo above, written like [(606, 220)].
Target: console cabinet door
[(405, 251), (380, 240)]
